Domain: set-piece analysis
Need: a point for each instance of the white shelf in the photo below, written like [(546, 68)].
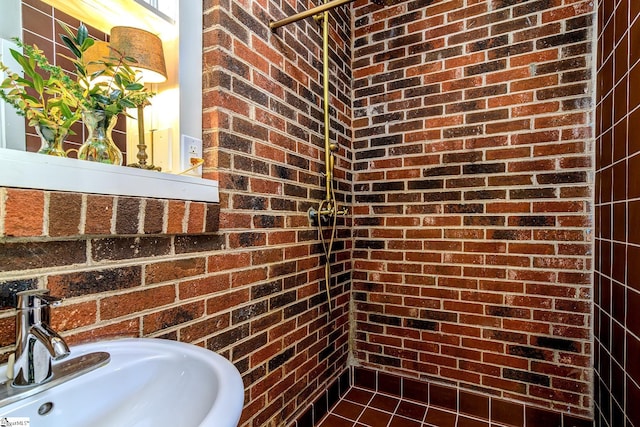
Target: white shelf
[(38, 171)]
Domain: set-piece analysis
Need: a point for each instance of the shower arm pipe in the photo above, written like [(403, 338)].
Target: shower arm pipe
[(307, 13), (328, 153), (321, 13)]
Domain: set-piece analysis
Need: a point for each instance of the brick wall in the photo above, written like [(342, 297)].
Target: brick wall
[(617, 208), (244, 278), (264, 132), (472, 189)]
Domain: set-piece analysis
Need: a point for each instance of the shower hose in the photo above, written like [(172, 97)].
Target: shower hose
[(327, 244)]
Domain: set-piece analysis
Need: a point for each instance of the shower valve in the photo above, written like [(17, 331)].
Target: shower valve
[(325, 214), (331, 211)]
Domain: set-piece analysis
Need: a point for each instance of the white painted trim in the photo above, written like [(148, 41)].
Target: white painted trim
[(38, 171), (12, 125)]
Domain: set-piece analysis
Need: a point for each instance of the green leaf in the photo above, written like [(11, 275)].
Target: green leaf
[(112, 109), (83, 33), (115, 95), (97, 74), (16, 55), (100, 98), (31, 99), (86, 44), (38, 83), (66, 111), (24, 63), (25, 82), (71, 45), (134, 86), (68, 123), (66, 28), (127, 104), (128, 70)]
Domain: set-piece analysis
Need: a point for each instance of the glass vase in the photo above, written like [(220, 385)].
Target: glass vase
[(51, 140), (99, 146)]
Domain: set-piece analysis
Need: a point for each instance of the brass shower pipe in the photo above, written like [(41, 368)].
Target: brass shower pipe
[(307, 13), (328, 208), (321, 13), (328, 147)]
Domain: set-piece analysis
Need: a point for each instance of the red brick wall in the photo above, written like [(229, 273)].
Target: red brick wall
[(472, 190), (264, 132), (617, 208), (252, 289)]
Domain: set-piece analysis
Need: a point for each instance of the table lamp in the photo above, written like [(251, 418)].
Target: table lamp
[(146, 49)]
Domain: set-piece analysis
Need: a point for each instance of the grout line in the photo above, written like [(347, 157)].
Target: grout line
[(424, 418), (394, 412)]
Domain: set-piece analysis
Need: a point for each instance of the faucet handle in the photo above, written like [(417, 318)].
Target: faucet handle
[(35, 298)]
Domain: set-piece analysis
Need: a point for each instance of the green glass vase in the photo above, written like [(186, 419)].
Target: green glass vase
[(51, 140), (99, 146)]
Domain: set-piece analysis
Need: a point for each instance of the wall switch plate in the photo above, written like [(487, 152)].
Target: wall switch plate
[(190, 153)]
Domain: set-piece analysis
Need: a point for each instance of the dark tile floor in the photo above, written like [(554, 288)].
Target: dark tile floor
[(366, 408)]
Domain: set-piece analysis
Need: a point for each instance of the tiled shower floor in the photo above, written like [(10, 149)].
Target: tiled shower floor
[(366, 408)]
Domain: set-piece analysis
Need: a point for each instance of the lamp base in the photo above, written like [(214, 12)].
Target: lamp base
[(147, 167)]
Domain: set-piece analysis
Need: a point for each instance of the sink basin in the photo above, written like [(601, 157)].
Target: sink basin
[(147, 382)]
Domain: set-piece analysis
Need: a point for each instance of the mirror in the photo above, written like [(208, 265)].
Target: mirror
[(165, 125)]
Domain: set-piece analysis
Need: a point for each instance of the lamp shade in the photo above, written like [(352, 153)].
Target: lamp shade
[(145, 48)]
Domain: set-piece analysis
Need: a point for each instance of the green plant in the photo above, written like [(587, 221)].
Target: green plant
[(49, 97), (45, 95), (52, 101), (113, 87)]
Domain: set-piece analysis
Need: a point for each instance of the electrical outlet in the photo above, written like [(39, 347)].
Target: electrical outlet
[(191, 152)]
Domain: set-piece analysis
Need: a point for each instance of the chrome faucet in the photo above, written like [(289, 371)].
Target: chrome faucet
[(36, 343)]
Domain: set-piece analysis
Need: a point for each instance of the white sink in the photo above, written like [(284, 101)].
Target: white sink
[(148, 382)]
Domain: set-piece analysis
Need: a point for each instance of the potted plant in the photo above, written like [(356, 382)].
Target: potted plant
[(45, 95), (107, 93)]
